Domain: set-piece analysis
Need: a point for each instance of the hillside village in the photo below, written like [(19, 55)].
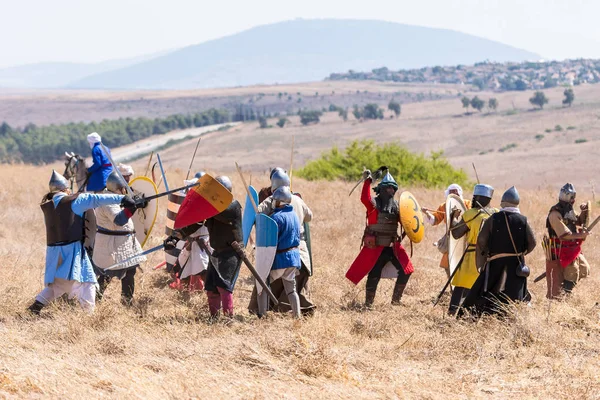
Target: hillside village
[(491, 75)]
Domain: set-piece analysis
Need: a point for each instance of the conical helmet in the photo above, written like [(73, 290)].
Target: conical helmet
[(388, 180), (115, 183), (567, 193), (511, 196), (57, 182)]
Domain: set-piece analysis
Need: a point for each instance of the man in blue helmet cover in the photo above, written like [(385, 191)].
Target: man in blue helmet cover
[(503, 241), (566, 264), (101, 167), (381, 243)]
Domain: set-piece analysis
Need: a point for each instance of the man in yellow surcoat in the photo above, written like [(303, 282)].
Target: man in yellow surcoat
[(470, 225)]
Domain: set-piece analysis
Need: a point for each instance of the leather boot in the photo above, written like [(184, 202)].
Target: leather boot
[(36, 307), (398, 291), (568, 286), (369, 299)]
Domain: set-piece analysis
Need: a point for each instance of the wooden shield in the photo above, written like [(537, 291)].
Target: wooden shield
[(204, 201), (411, 218), (144, 219), (456, 247), (249, 214), (266, 246)]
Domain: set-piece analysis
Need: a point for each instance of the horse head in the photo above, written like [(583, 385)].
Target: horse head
[(75, 169)]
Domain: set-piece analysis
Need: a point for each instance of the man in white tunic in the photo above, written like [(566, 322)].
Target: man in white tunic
[(116, 242)]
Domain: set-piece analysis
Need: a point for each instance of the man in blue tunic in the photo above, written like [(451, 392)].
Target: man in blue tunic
[(101, 168), (68, 267), (287, 259)]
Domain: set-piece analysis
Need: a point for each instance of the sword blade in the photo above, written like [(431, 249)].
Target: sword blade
[(156, 196), (355, 186), (152, 250)]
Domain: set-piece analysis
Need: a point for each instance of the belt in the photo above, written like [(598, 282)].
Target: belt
[(64, 243), (504, 255), (286, 250), (114, 233)]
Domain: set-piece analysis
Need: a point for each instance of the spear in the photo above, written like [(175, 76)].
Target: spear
[(193, 157)]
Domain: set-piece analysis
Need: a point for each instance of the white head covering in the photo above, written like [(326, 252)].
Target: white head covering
[(125, 170), (454, 186), (93, 138), (188, 182)]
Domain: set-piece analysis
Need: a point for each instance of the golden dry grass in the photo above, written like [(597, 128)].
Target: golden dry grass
[(166, 347)]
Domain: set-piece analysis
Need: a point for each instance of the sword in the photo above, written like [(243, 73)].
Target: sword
[(450, 279), (376, 176), (238, 249), (129, 191), (162, 171), (152, 250), (156, 196)]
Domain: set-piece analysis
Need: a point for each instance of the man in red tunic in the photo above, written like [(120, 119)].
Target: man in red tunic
[(381, 243)]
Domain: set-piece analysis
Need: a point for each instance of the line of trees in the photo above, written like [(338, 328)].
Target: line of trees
[(478, 103), (33, 144)]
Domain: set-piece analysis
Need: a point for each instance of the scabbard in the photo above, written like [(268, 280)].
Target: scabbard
[(236, 246)]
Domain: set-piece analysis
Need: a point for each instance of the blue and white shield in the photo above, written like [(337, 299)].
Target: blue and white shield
[(249, 216), (266, 246)]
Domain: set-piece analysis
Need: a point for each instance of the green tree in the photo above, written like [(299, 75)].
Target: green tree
[(569, 97), (357, 112), (395, 107), (343, 113), (262, 122), (310, 117), (372, 111), (282, 121), (539, 99), (493, 103), (477, 103), (466, 102)]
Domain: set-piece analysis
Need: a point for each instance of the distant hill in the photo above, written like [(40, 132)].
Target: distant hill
[(49, 75), (303, 50)]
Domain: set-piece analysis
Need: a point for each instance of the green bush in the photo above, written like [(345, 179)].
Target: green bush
[(570, 128), (407, 167), (507, 147), (539, 137), (580, 141), (548, 130), (310, 117), (558, 128)]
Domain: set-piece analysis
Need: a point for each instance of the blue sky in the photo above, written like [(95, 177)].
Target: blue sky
[(86, 31)]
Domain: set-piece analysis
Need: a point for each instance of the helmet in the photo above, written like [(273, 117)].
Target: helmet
[(225, 181), (115, 183), (279, 178), (199, 174), (57, 182), (511, 196), (388, 180), (483, 190), (275, 170), (567, 193), (283, 194)]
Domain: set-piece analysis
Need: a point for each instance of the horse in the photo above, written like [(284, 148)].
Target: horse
[(76, 171)]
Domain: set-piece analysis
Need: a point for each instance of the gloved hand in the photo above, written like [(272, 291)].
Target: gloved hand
[(170, 243), (366, 174), (140, 202), (128, 203)]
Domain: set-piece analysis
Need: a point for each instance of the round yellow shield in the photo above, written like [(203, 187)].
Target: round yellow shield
[(411, 218), (144, 219)]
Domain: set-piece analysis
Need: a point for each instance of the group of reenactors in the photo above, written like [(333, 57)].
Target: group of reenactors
[(491, 274)]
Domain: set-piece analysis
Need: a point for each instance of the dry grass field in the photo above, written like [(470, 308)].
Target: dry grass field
[(165, 347)]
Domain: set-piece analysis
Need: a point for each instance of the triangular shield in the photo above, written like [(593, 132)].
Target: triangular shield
[(266, 246), (249, 216), (204, 201)]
